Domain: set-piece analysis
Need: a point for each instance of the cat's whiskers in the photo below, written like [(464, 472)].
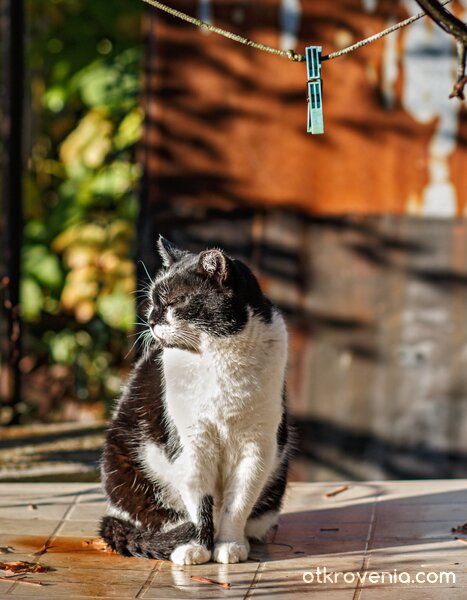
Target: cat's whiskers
[(141, 293), (187, 338), (145, 336), (140, 335), (145, 269), (148, 341), (141, 321)]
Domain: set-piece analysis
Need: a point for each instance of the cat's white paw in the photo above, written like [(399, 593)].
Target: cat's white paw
[(190, 554), (231, 552)]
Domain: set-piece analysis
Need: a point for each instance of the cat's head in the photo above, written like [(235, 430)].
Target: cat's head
[(201, 293)]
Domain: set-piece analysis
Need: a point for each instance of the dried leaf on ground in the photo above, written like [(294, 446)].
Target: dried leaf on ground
[(23, 566), (98, 544)]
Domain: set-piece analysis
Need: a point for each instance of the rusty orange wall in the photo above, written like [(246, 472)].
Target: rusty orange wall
[(227, 124), (375, 305)]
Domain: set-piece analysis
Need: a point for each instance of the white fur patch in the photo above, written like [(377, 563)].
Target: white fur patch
[(231, 552), (257, 529), (114, 511), (190, 554), (158, 469)]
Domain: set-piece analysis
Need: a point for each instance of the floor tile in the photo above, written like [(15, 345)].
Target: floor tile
[(371, 527)]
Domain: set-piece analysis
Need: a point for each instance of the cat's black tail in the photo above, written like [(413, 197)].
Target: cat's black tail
[(129, 540)]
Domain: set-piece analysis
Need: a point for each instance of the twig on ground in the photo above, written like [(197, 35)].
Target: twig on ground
[(223, 584), (344, 488), (42, 550), (24, 581)]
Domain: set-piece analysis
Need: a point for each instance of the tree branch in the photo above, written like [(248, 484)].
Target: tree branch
[(455, 27)]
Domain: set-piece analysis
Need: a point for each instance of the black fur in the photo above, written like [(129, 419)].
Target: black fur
[(283, 431), (206, 526), (217, 302), (129, 540), (272, 495)]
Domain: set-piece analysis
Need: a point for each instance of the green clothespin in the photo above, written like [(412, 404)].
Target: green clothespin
[(315, 98)]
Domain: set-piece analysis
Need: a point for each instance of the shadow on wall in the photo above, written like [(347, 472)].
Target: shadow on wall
[(348, 454), (378, 330), (375, 305)]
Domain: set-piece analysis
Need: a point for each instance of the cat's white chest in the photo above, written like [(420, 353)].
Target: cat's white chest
[(190, 384), (200, 389), (229, 380)]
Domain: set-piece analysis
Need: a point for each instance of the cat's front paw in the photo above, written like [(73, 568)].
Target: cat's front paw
[(190, 554), (231, 552)]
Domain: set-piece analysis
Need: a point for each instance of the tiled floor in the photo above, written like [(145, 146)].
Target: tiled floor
[(359, 540)]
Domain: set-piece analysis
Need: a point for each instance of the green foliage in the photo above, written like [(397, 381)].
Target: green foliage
[(32, 299), (81, 189)]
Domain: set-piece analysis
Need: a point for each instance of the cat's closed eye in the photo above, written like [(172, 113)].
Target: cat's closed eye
[(176, 300)]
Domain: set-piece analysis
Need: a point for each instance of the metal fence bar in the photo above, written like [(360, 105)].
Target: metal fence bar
[(12, 130)]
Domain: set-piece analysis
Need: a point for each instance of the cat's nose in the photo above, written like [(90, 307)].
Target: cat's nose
[(153, 318)]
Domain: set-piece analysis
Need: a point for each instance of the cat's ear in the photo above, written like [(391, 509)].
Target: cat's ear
[(214, 264), (168, 252)]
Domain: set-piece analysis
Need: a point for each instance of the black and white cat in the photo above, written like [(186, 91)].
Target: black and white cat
[(196, 457)]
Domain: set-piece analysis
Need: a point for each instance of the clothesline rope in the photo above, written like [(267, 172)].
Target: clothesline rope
[(290, 54)]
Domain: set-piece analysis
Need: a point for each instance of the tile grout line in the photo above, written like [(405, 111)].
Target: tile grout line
[(369, 539), (65, 517), (254, 581), (55, 531), (149, 580)]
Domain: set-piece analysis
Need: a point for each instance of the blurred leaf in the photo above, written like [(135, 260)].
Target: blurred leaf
[(54, 98), (85, 311), (121, 229), (115, 179), (83, 274), (79, 256), (63, 347), (31, 298), (76, 292), (87, 146), (112, 82), (81, 233), (43, 266), (129, 130), (65, 239), (117, 310), (35, 230)]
